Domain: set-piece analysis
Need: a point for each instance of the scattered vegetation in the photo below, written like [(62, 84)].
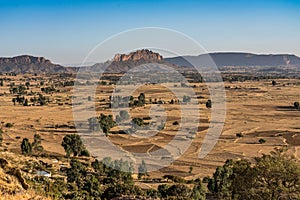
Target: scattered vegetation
[(274, 176)]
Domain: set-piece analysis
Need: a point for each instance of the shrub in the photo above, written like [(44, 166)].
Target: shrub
[(26, 147), (8, 125), (239, 135), (85, 152), (296, 105), (261, 141), (208, 104), (72, 145)]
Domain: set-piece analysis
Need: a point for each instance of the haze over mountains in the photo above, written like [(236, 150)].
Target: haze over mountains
[(239, 59), (122, 62)]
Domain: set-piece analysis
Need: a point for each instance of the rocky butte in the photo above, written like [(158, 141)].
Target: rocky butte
[(143, 54)]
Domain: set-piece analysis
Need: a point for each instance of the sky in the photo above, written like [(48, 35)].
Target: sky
[(65, 31)]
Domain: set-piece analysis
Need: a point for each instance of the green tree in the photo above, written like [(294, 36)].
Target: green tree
[(221, 180), (26, 147), (141, 99), (142, 170), (27, 84), (198, 192), (296, 105), (37, 143), (261, 141), (137, 122), (179, 191), (208, 104), (106, 122), (72, 145), (273, 176), (25, 102)]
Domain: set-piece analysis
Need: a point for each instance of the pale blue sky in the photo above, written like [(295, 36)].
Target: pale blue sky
[(65, 30)]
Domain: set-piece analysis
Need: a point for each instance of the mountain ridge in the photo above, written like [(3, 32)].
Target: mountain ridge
[(123, 62), (222, 59), (31, 64)]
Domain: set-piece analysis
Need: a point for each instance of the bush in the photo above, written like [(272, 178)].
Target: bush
[(208, 104), (239, 135), (296, 105), (137, 122), (72, 145), (261, 141), (8, 125), (26, 147), (85, 152)]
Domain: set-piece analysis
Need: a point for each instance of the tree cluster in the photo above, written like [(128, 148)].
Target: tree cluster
[(274, 176)]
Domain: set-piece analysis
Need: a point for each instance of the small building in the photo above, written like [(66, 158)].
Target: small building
[(43, 173)]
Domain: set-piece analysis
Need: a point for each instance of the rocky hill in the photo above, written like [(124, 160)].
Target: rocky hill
[(143, 54), (30, 64), (122, 63)]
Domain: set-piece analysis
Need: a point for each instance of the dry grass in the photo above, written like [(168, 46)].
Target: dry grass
[(28, 195), (253, 108)]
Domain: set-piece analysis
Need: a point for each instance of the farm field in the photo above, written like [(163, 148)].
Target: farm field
[(255, 110)]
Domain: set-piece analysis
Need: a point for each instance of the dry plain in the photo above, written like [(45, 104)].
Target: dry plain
[(256, 109)]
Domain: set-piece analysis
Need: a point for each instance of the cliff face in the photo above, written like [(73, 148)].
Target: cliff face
[(143, 54), (31, 64), (24, 59)]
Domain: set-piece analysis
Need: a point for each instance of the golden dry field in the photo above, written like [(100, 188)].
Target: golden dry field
[(255, 109)]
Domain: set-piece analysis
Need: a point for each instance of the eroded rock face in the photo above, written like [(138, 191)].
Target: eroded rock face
[(25, 59), (143, 54), (31, 64)]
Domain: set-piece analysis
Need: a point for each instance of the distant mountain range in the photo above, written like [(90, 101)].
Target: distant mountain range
[(238, 59), (122, 62)]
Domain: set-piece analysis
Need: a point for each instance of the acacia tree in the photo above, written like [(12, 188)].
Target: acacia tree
[(37, 143), (72, 145), (26, 147)]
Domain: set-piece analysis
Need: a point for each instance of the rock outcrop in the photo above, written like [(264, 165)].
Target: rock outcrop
[(30, 64), (144, 54)]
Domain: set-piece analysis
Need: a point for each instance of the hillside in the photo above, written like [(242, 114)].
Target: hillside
[(30, 64)]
